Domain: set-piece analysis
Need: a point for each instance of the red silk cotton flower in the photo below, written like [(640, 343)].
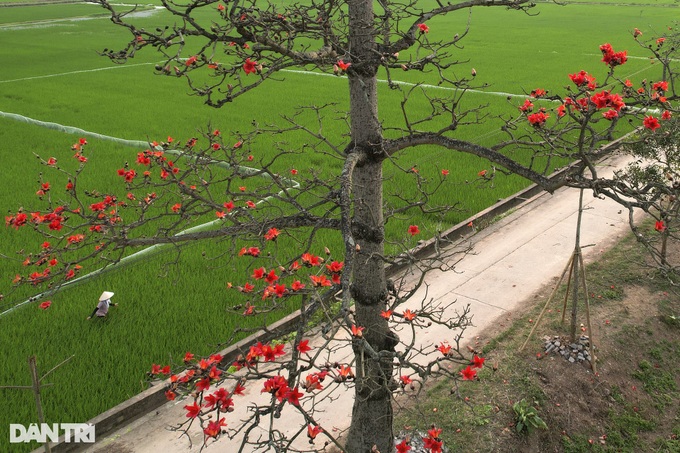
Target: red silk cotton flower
[(468, 374), (537, 119), (651, 123), (250, 67), (612, 58), (423, 28), (413, 230)]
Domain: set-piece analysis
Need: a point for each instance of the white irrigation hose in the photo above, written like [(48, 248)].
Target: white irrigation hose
[(149, 251)]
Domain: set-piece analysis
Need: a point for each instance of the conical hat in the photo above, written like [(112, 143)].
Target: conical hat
[(106, 295)]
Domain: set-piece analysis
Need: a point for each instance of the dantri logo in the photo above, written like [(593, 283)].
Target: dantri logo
[(73, 432)]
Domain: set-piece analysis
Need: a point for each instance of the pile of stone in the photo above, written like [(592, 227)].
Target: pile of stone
[(577, 352), (415, 440)]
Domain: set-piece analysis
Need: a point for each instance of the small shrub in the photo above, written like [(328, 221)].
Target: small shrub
[(527, 417)]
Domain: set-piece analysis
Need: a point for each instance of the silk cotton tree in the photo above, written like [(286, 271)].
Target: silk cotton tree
[(237, 47), (357, 39)]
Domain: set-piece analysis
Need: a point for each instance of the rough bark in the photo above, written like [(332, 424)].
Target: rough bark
[(372, 411)]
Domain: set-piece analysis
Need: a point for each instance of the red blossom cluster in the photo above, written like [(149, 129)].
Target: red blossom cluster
[(612, 58), (469, 373), (249, 251), (583, 78), (278, 387), (651, 123), (431, 443), (272, 234), (528, 106), (537, 119), (77, 147)]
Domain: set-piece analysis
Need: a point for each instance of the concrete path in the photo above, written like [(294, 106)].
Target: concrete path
[(512, 260)]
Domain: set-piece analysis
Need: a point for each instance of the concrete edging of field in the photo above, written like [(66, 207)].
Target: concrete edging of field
[(154, 397)]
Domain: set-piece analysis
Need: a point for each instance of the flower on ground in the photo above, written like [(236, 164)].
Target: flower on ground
[(413, 230), (45, 305)]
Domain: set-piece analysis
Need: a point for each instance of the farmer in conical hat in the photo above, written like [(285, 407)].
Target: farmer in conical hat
[(102, 308)]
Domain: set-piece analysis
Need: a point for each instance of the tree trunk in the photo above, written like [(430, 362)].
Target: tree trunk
[(372, 411)]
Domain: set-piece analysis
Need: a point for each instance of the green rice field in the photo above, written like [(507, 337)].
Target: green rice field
[(52, 72)]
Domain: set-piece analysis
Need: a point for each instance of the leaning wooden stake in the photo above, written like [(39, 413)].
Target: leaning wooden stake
[(36, 393), (591, 346), (552, 295), (575, 273)]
